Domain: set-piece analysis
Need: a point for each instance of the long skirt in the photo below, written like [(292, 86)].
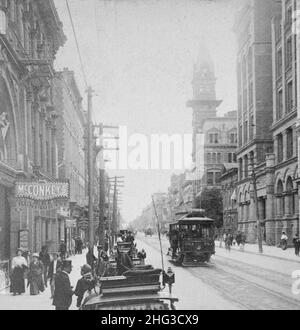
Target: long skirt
[(17, 281), (36, 285)]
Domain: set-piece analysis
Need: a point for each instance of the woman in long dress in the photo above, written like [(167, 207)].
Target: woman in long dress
[(19, 266), (35, 276)]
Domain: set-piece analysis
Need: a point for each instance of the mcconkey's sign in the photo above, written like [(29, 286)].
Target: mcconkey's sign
[(42, 191)]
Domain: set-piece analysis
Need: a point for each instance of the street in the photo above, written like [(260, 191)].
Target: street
[(233, 280)]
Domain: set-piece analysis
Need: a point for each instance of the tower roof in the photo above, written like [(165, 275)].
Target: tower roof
[(204, 61)]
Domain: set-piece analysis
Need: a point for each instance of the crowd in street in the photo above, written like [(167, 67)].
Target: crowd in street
[(45, 269), (54, 269)]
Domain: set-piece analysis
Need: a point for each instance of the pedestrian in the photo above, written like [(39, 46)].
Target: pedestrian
[(19, 266), (73, 246), (296, 242), (45, 259), (228, 242), (90, 258), (54, 268), (63, 292), (283, 241), (102, 261), (35, 276), (62, 250), (243, 242), (86, 283), (142, 256)]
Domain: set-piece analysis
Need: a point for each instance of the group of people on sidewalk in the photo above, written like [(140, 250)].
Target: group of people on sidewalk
[(38, 272), (230, 239)]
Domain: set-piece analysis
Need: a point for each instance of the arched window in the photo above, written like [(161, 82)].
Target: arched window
[(290, 196), (280, 199)]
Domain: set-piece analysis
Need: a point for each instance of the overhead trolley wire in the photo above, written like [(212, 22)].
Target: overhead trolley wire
[(77, 45)]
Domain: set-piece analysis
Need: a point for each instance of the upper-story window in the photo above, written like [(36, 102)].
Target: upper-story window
[(289, 141), (213, 138), (279, 148), (246, 131), (279, 109), (233, 138), (289, 16), (289, 53), (290, 98), (279, 63)]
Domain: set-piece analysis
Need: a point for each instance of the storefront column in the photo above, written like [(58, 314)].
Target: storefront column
[(37, 141)]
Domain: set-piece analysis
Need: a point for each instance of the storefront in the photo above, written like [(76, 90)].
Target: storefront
[(37, 204)]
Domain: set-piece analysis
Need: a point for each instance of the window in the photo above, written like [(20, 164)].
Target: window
[(246, 167), (219, 158), (289, 16), (218, 175), (279, 105), (233, 138), (279, 63), (279, 148), (241, 169), (290, 99), (230, 158), (251, 93), (214, 138), (280, 199), (234, 157), (210, 178), (214, 158), (251, 128), (246, 131), (290, 196), (289, 137), (240, 135), (289, 53)]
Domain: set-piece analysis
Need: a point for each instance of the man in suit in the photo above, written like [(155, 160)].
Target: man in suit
[(63, 291), (54, 268)]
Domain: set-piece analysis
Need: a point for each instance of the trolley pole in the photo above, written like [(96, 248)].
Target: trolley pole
[(259, 236), (90, 157), (101, 190)]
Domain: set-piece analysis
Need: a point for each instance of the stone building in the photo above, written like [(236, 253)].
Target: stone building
[(228, 181), (30, 36), (71, 156), (267, 112), (214, 137)]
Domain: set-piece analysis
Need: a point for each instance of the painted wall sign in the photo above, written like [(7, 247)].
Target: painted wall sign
[(42, 191)]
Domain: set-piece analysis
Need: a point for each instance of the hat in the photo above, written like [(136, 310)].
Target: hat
[(35, 255), (67, 263), (86, 269), (19, 249)]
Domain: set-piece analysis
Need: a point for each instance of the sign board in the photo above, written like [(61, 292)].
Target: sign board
[(24, 240), (43, 191)]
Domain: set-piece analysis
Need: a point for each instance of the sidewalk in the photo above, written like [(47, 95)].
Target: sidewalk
[(268, 251), (42, 301)]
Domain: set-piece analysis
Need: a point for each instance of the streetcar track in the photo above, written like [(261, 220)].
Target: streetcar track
[(231, 291)]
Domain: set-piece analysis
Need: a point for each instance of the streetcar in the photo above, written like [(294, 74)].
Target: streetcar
[(192, 238)]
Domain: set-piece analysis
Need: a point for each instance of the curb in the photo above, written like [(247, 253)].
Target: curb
[(264, 255)]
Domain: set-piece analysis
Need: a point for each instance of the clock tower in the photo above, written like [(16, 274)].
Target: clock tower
[(204, 102)]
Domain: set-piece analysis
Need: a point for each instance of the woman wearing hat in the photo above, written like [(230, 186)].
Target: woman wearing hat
[(35, 276), (19, 266)]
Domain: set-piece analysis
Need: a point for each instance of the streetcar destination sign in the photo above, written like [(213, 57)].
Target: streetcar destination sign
[(43, 191)]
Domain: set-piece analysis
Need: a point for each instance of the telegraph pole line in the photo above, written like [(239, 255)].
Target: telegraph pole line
[(90, 158), (259, 234)]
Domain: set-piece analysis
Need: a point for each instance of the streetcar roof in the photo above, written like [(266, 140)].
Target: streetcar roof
[(193, 220)]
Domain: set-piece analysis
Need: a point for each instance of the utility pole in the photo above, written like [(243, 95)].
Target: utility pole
[(90, 163), (259, 236), (101, 190)]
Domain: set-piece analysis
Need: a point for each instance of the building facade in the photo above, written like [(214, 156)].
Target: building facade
[(267, 116), (228, 181), (30, 36), (71, 156), (214, 137)]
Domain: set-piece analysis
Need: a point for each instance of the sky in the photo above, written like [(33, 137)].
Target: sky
[(138, 56)]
